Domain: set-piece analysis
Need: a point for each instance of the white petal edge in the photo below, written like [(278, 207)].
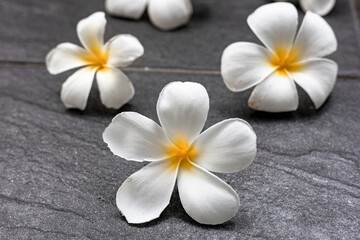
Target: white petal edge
[(75, 90), (123, 50), (315, 38), (115, 87), (65, 56), (132, 9), (227, 147), (91, 31), (317, 78), (277, 93), (321, 7), (205, 197), (182, 109), (243, 65), (135, 137), (146, 193), (170, 14), (275, 25)]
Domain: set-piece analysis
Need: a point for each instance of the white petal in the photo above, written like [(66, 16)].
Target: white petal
[(115, 87), (123, 49), (275, 25), (75, 90), (226, 147), (321, 7), (91, 31), (205, 197), (277, 93), (146, 193), (317, 78), (315, 38), (135, 137), (182, 109), (243, 65), (65, 56), (170, 14), (132, 9)]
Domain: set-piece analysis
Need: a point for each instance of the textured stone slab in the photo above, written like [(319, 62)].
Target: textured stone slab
[(58, 179), (30, 28)]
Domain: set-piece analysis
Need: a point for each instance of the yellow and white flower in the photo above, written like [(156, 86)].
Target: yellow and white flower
[(321, 7), (284, 62), (178, 152), (96, 58), (164, 14)]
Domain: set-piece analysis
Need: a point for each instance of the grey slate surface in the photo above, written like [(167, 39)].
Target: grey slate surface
[(58, 179)]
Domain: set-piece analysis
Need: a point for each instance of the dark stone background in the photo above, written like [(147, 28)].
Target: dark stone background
[(58, 179)]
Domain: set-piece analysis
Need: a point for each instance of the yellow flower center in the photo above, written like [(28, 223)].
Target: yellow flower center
[(97, 58), (285, 62), (181, 153)]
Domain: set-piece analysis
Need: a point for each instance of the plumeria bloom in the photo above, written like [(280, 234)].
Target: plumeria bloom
[(321, 7), (284, 62), (164, 14), (96, 58), (178, 152)]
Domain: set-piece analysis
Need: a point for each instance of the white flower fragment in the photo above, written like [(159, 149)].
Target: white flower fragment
[(286, 60), (321, 7), (96, 58), (164, 14), (178, 152)]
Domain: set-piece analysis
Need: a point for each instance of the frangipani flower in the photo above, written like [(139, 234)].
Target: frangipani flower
[(164, 14), (321, 7), (274, 69), (177, 151), (96, 58)]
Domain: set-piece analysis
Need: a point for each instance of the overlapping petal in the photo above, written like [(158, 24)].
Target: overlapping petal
[(243, 65), (132, 9), (321, 7), (205, 197), (226, 147), (115, 87), (146, 193), (182, 109), (135, 137)]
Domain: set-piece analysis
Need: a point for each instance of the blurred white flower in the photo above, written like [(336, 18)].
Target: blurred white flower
[(177, 151), (164, 14), (96, 58), (321, 7), (274, 69)]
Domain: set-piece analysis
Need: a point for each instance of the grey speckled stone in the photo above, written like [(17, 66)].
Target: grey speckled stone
[(30, 28), (58, 179)]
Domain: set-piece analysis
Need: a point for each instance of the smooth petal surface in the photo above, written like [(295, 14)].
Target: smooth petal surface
[(226, 147), (115, 87), (170, 14), (75, 90), (123, 49), (205, 197), (243, 65), (315, 38), (65, 56), (135, 137), (276, 94), (91, 32), (317, 78), (132, 9), (321, 7), (146, 193), (182, 109), (275, 25)]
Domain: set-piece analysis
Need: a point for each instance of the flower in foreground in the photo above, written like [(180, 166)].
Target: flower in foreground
[(164, 14), (178, 152), (274, 69), (96, 58), (321, 7)]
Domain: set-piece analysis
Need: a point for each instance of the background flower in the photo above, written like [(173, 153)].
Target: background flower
[(321, 7)]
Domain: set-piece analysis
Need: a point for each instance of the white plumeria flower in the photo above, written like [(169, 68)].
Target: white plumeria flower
[(321, 7), (177, 151), (274, 69), (96, 58), (164, 14)]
